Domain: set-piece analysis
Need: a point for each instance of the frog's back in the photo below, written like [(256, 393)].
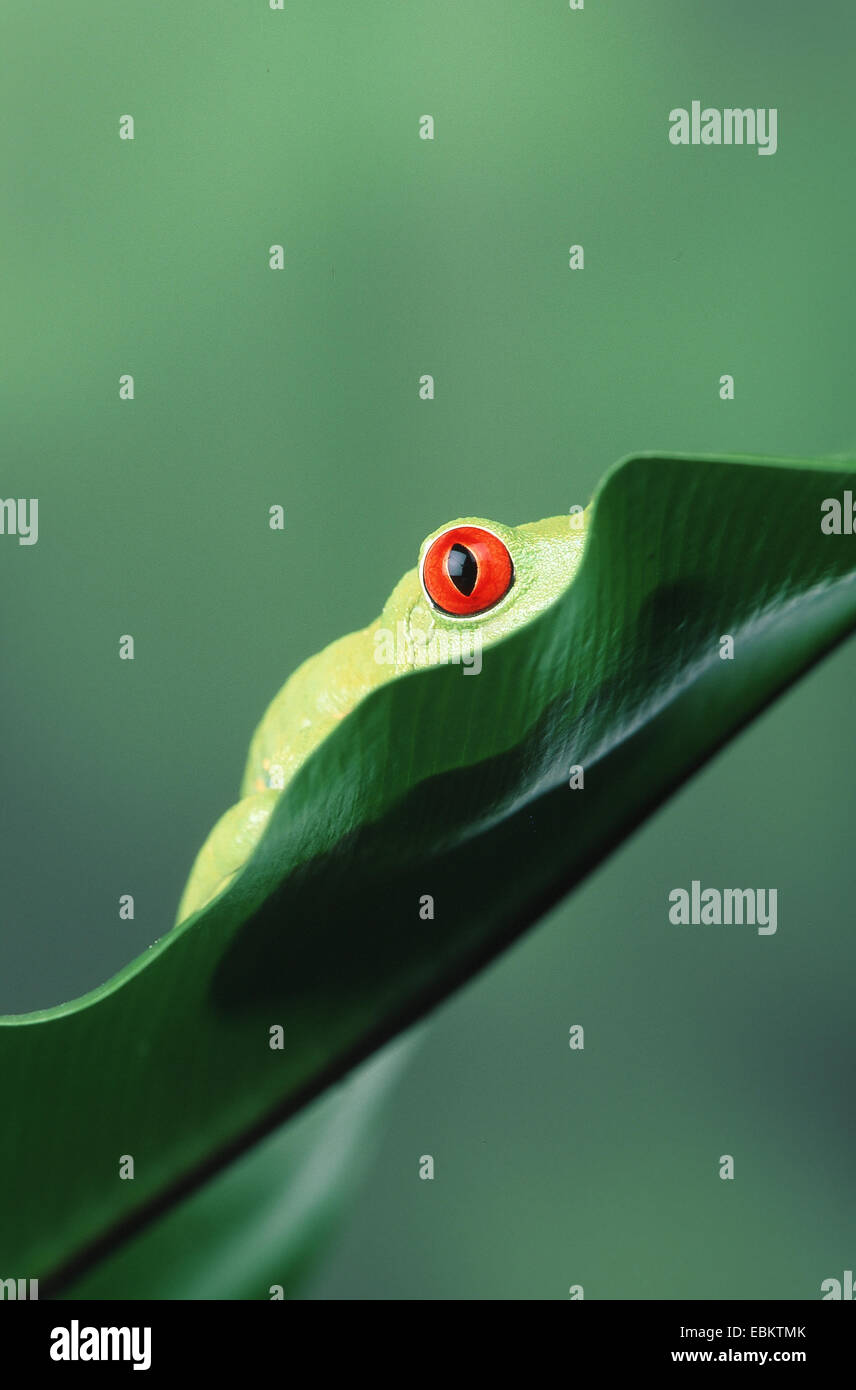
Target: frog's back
[(314, 699)]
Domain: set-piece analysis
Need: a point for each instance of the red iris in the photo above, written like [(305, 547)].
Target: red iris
[(467, 570)]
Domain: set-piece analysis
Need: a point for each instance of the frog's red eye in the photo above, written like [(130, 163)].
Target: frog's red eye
[(467, 570)]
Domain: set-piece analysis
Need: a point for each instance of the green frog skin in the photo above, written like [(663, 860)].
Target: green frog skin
[(476, 582)]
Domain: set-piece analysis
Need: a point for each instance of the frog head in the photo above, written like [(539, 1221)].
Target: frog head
[(477, 581)]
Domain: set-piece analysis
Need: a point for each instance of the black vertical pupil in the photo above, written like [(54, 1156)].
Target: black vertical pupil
[(463, 568)]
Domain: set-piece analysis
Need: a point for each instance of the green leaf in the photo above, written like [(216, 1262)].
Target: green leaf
[(437, 783)]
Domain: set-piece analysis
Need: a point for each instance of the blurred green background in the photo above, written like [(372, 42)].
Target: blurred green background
[(300, 387)]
